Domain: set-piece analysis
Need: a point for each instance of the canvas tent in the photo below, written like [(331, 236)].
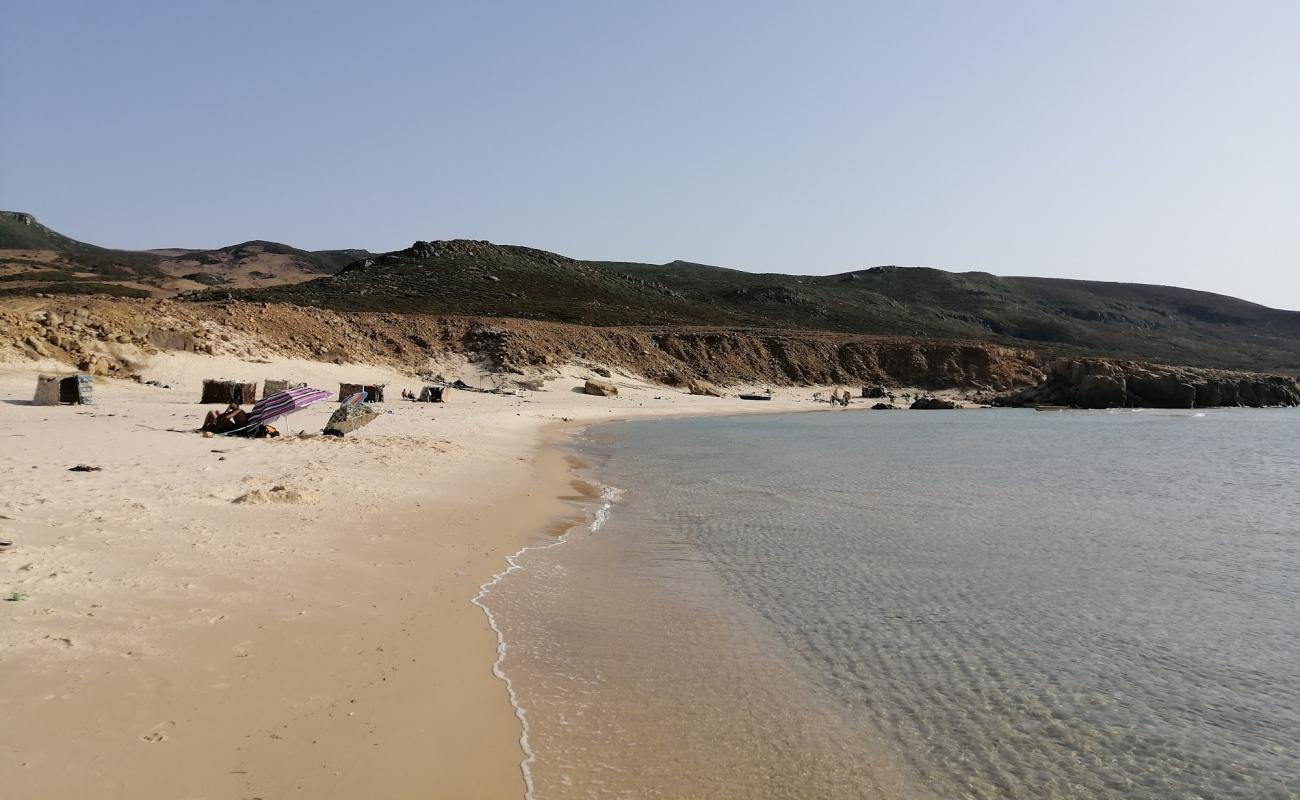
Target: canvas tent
[(51, 390), (434, 394), (374, 394), (227, 392)]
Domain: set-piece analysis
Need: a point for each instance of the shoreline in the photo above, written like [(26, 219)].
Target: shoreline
[(189, 630), (538, 671), (596, 506)]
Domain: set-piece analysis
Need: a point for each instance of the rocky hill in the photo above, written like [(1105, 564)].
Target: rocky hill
[(477, 278), (1167, 324), (34, 258)]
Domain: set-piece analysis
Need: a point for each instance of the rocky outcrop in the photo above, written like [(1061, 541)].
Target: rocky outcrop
[(600, 388), (19, 217), (933, 404), (703, 387), (1102, 391), (1104, 383), (114, 336), (121, 331), (731, 356)]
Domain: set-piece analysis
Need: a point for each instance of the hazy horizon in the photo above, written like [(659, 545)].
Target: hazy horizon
[(1149, 142)]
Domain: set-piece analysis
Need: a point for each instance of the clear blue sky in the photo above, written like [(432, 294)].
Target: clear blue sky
[(1146, 141)]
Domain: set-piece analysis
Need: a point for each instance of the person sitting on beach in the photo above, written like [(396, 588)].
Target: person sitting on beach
[(222, 421)]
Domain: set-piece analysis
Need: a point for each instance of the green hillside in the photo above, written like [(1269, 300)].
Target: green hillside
[(35, 258), (1160, 323), (19, 231)]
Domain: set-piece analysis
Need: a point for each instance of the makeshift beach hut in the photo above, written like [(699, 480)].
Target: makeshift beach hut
[(51, 390), (374, 394), (236, 392), (434, 394), (270, 387)]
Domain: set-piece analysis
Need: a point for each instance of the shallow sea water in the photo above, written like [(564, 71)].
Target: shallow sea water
[(976, 604)]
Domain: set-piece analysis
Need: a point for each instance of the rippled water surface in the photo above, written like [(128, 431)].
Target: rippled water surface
[(982, 604)]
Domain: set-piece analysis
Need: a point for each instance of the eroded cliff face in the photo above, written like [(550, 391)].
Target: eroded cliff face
[(110, 336), (1105, 383), (729, 356), (114, 336)]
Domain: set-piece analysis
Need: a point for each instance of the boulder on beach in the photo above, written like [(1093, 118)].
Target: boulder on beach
[(703, 387), (933, 404), (600, 388)]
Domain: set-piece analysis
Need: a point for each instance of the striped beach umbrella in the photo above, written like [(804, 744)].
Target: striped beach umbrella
[(286, 402)]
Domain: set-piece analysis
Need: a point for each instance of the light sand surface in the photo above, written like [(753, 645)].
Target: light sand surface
[(316, 642)]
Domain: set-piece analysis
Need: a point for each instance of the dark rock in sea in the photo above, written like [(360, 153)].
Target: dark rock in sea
[(1151, 390), (933, 404), (1101, 391), (1102, 383), (884, 407)]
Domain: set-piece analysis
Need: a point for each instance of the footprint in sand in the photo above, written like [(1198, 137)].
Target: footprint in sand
[(158, 734)]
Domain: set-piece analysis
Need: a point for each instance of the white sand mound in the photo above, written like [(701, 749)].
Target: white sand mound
[(277, 494)]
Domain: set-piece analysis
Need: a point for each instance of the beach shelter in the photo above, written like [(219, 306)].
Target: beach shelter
[(434, 394), (226, 392), (286, 402), (270, 387), (51, 390), (374, 393), (349, 417)]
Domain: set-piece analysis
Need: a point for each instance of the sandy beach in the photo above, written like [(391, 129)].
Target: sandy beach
[(222, 617)]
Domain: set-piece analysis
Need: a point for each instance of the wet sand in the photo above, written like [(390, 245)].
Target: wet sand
[(316, 641)]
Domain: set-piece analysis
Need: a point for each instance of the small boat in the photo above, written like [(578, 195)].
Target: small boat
[(756, 397)]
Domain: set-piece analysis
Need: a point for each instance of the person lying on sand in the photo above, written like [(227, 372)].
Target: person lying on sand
[(222, 421)]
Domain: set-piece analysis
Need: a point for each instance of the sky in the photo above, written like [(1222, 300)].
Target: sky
[(1156, 142)]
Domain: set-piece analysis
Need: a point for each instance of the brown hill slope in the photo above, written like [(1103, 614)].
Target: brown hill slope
[(460, 277), (1167, 324), (34, 258), (113, 336)]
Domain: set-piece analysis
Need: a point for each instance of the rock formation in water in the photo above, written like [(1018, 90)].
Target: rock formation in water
[(1104, 383)]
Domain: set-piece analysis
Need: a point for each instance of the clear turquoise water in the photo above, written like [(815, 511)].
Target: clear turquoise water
[(982, 604)]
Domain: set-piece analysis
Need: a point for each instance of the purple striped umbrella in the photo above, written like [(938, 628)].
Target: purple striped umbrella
[(286, 402)]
